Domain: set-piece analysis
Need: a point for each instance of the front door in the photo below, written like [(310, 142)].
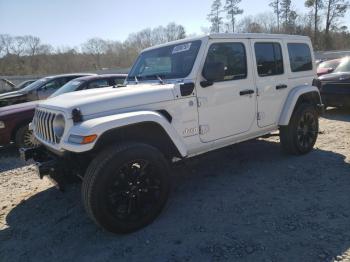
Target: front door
[(271, 79), (227, 106)]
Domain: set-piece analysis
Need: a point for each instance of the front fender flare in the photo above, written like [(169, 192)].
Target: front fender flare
[(101, 125), (292, 100)]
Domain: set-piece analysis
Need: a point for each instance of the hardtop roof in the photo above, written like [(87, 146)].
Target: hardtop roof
[(233, 36)]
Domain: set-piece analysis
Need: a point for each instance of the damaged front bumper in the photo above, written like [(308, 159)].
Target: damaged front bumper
[(57, 169)]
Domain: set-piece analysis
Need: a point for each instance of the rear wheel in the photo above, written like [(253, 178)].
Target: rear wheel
[(300, 136), (126, 187), (25, 138)]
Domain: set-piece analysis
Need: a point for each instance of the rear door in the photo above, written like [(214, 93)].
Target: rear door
[(271, 79)]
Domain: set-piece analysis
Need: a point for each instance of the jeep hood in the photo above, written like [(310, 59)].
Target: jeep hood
[(108, 100)]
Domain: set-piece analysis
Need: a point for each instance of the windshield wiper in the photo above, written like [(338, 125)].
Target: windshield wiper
[(136, 80), (160, 80), (155, 76)]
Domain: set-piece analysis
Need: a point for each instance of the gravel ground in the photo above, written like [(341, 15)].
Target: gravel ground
[(248, 202)]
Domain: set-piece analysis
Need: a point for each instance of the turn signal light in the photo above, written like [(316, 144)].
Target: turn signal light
[(88, 139), (82, 140)]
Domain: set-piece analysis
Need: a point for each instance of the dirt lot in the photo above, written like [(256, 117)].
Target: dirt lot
[(248, 202)]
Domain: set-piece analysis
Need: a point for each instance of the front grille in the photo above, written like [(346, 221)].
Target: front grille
[(43, 126)]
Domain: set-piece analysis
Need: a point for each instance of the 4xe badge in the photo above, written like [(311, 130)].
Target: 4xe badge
[(190, 131)]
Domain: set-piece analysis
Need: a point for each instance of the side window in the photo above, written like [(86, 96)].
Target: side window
[(119, 81), (67, 79), (54, 84), (269, 59), (97, 83), (229, 56), (299, 57)]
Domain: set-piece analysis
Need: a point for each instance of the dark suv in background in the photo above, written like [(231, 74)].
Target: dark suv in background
[(14, 119), (40, 89)]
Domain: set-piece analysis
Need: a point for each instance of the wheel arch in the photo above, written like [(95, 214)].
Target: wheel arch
[(301, 94), (147, 132), (143, 126)]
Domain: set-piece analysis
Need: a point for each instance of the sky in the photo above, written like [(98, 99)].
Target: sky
[(64, 23)]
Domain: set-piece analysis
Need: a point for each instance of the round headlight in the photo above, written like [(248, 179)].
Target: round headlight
[(58, 125)]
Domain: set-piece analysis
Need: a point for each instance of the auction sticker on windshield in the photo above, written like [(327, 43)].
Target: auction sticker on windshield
[(182, 48)]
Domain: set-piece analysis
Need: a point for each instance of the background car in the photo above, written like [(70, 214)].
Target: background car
[(327, 67), (335, 87), (24, 84), (40, 89), (14, 119)]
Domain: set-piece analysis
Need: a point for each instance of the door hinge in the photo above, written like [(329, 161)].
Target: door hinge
[(260, 115), (201, 101), (203, 129)]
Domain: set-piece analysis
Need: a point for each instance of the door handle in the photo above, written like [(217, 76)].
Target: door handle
[(246, 92), (281, 86)]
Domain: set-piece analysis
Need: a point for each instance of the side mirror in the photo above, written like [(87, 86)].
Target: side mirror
[(213, 72)]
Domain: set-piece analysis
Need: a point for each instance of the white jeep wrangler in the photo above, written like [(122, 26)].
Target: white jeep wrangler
[(180, 99)]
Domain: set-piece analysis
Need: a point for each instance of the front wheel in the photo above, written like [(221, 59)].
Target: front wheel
[(126, 187), (300, 136)]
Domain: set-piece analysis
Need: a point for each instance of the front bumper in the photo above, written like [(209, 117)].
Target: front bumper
[(342, 100), (5, 137), (57, 169)]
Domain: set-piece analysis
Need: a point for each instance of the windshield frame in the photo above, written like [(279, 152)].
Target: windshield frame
[(161, 75)]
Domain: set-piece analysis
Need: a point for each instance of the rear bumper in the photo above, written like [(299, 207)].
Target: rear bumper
[(58, 169)]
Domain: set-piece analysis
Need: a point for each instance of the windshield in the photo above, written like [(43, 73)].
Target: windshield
[(36, 84), (344, 66), (24, 84), (329, 64), (169, 62), (69, 87)]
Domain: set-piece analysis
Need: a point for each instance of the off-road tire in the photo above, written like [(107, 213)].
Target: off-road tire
[(99, 179), (24, 138), (290, 136)]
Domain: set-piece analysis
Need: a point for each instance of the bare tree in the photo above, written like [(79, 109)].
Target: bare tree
[(288, 15), (6, 43), (275, 4), (215, 17), (32, 44), (96, 47), (175, 32), (232, 10), (18, 46), (316, 5), (335, 9)]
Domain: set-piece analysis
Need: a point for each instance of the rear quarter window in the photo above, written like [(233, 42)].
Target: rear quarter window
[(299, 57)]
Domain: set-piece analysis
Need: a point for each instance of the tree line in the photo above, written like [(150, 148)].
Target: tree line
[(27, 55), (322, 21)]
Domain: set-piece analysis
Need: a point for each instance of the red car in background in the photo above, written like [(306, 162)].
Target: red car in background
[(14, 119), (327, 67)]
